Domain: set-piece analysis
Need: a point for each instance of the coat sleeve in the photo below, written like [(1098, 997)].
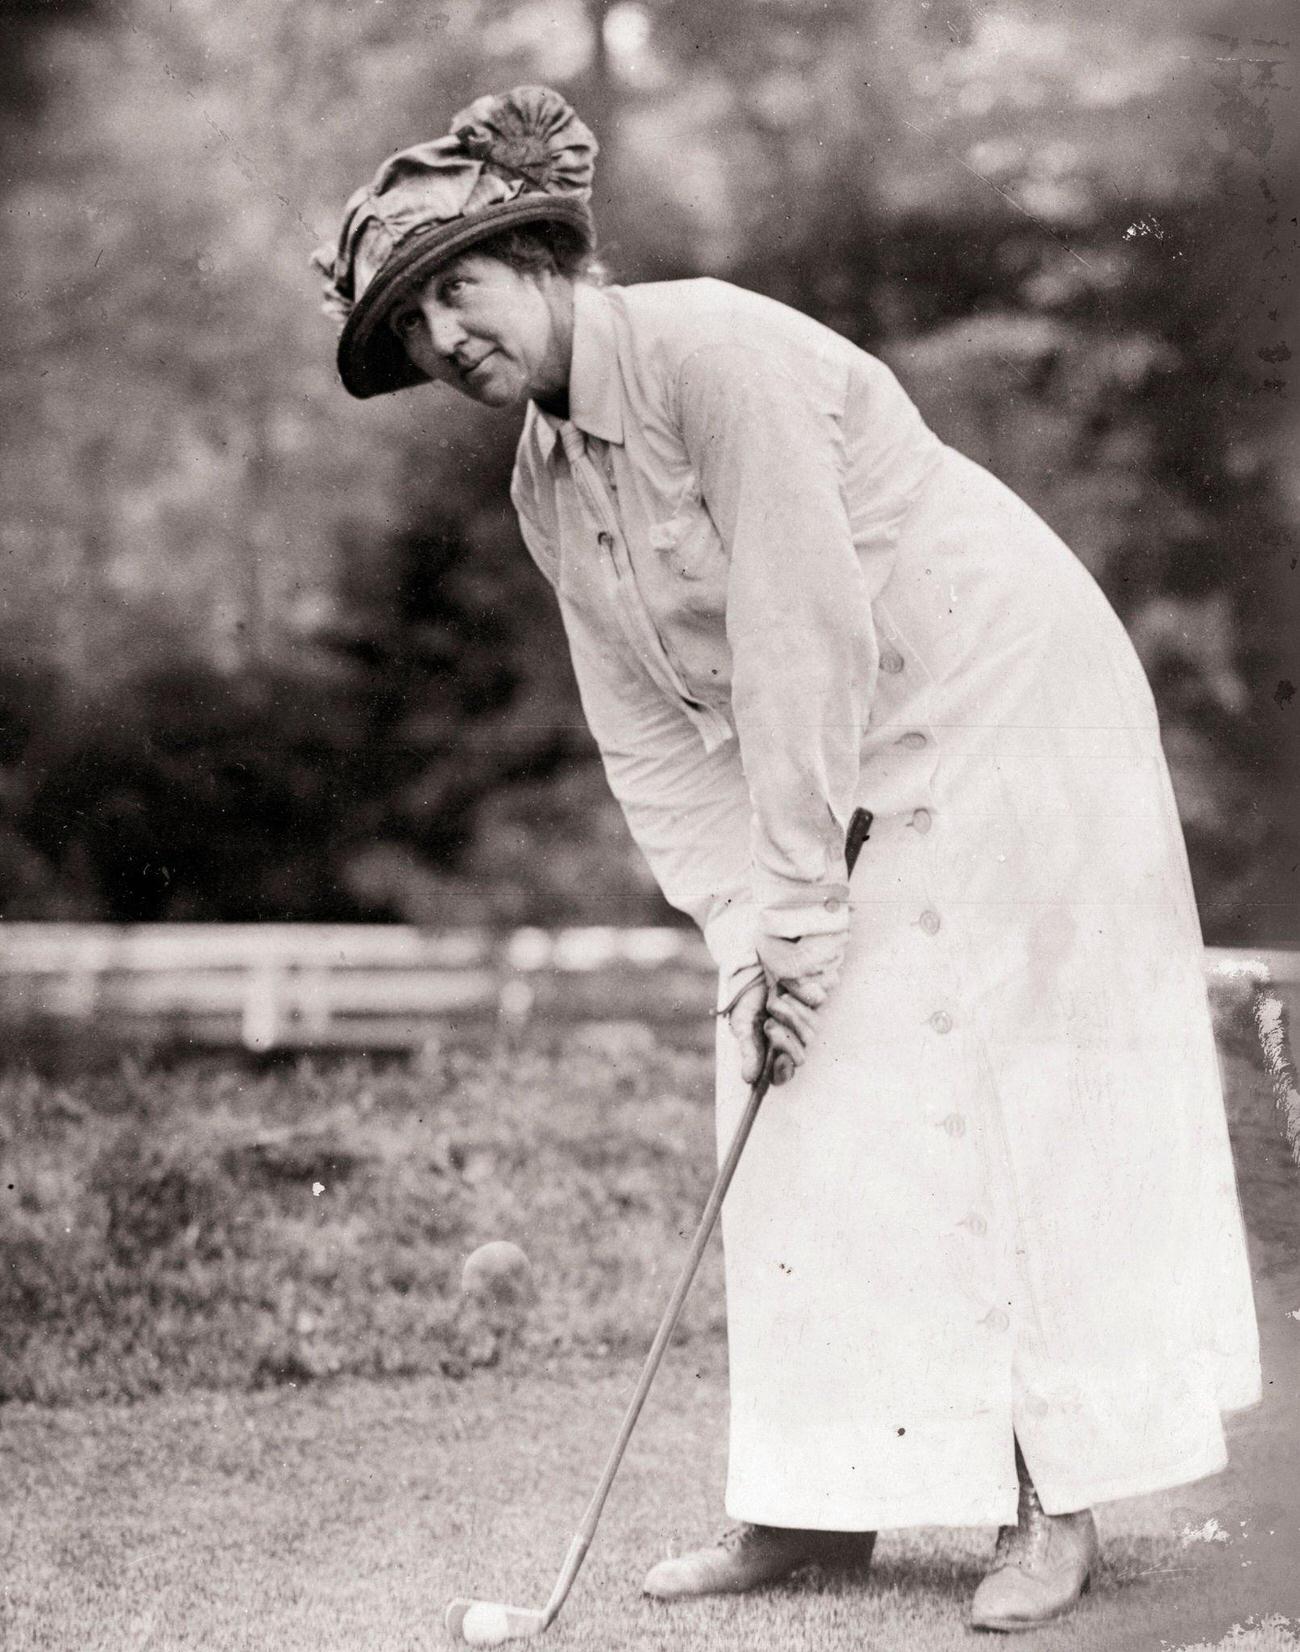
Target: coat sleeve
[(687, 808), (767, 448)]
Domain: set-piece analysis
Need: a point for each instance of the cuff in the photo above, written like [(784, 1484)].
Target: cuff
[(731, 937), (814, 909)]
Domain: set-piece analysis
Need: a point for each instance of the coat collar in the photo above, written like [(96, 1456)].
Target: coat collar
[(594, 403)]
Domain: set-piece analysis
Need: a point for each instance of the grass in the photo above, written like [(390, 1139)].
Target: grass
[(211, 1227), (343, 1515), (244, 1414)]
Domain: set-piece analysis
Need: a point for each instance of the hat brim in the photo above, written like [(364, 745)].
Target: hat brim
[(371, 359)]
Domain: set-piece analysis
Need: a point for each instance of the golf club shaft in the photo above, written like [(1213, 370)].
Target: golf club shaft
[(667, 1325), (859, 826)]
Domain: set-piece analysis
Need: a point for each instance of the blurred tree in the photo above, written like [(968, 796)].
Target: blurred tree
[(23, 85), (1067, 231)]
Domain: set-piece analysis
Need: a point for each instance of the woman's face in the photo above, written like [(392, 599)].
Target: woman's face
[(494, 333)]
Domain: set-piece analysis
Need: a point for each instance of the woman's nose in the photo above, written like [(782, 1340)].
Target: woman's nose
[(445, 331)]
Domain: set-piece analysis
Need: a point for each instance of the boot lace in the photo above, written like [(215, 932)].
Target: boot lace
[(1006, 1551), (1025, 1543)]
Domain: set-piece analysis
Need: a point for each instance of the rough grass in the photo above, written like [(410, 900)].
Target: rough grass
[(207, 1227), (203, 1226)]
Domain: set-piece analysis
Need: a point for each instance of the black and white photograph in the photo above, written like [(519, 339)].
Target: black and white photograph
[(649, 825)]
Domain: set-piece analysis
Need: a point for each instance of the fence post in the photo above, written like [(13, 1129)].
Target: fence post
[(263, 1009)]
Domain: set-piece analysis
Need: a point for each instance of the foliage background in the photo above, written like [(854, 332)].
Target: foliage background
[(269, 653)]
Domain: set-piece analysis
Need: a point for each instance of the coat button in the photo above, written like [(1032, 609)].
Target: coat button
[(891, 661), (913, 739), (941, 1021), (931, 923), (996, 1320), (921, 819), (955, 1125), (832, 903), (975, 1224)]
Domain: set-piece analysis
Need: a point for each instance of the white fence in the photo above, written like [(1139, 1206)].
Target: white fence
[(372, 986), (364, 986)]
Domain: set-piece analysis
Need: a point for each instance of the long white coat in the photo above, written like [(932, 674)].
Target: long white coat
[(998, 1201)]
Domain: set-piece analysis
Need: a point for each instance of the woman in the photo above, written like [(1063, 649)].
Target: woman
[(984, 1255)]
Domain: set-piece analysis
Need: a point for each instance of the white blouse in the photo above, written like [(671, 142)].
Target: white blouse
[(716, 518)]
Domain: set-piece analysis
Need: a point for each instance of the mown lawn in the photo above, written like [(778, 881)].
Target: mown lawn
[(342, 1515), (247, 1408)]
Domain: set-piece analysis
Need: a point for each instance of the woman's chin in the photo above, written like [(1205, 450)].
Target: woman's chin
[(497, 395), (491, 390)]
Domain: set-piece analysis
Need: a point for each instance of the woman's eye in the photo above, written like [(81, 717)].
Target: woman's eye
[(408, 321)]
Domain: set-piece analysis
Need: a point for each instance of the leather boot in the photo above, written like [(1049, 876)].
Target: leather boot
[(1040, 1566), (747, 1557)]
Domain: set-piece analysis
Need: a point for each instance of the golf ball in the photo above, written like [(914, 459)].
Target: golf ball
[(499, 1271), (485, 1625)]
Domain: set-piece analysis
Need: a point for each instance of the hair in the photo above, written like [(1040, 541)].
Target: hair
[(533, 248)]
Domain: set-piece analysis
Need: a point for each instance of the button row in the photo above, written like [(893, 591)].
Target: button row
[(996, 1319)]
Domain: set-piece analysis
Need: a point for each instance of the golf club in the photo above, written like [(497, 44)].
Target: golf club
[(489, 1623)]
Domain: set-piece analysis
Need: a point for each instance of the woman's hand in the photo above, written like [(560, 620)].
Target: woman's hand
[(763, 1016), (806, 969), (779, 1006)]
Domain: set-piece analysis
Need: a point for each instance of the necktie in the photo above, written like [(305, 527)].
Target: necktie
[(584, 451), (574, 443)]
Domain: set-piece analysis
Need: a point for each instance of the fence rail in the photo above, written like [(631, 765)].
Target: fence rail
[(366, 986), (374, 986)]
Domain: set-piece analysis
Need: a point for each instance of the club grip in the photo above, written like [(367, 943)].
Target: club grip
[(859, 831)]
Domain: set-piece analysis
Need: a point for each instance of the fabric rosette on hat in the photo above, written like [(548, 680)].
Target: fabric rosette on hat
[(518, 158)]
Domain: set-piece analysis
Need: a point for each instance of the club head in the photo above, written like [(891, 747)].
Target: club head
[(486, 1623)]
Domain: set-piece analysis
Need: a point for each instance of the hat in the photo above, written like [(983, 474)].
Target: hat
[(520, 157)]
